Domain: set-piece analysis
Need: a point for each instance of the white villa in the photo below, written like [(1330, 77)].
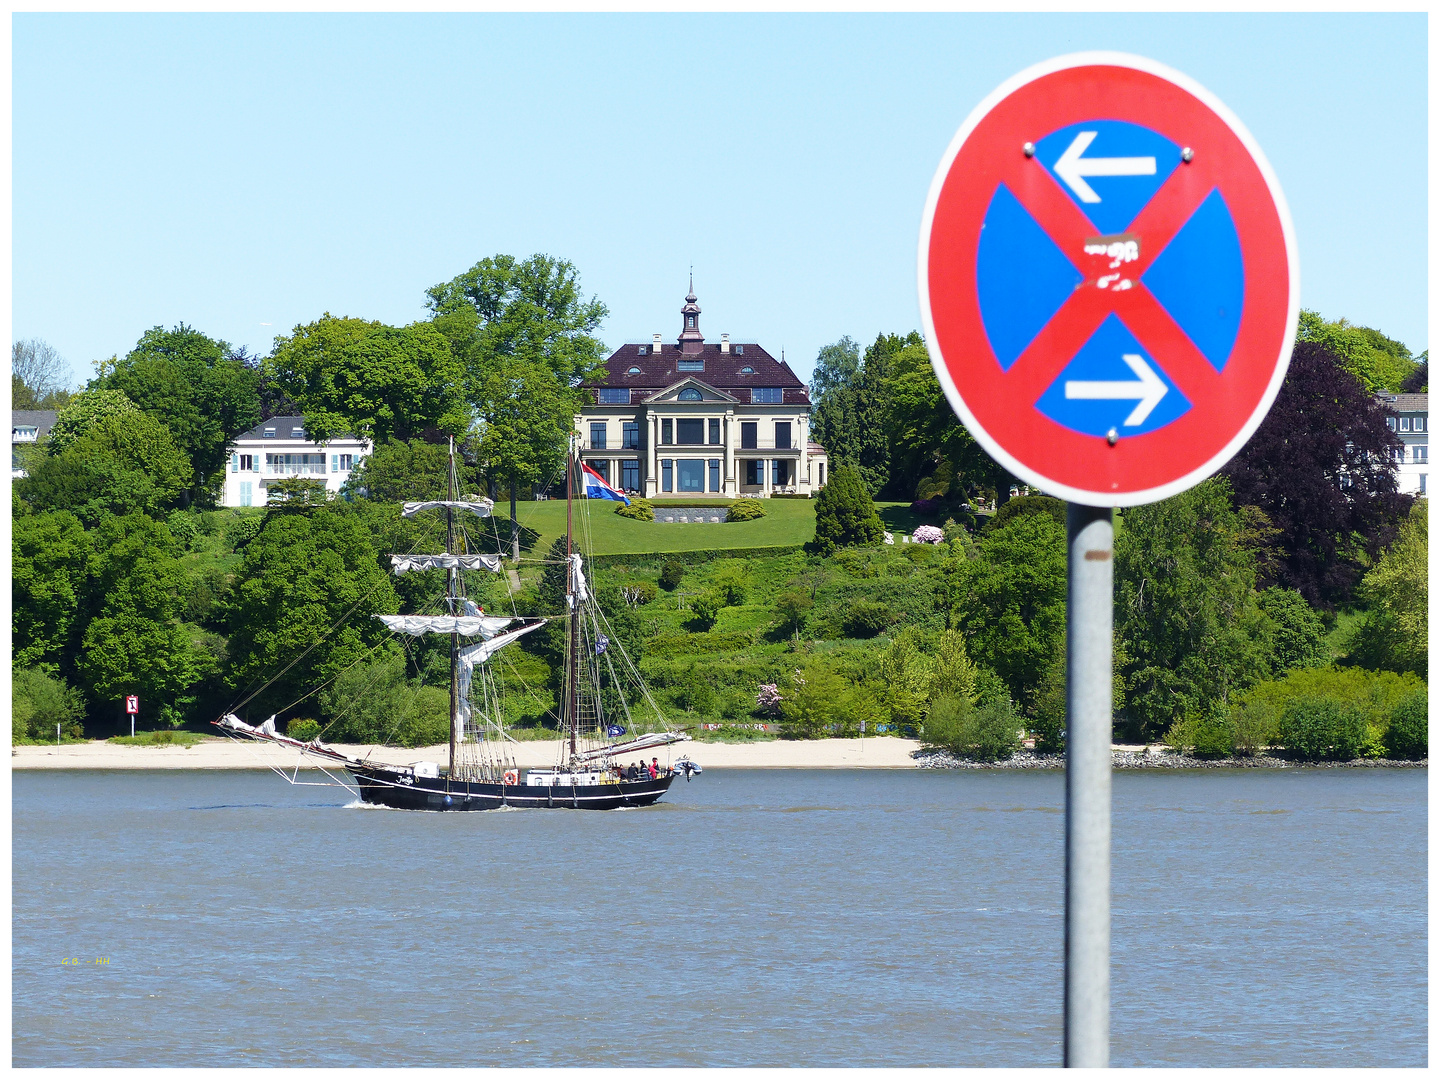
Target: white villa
[(1410, 421), (277, 449)]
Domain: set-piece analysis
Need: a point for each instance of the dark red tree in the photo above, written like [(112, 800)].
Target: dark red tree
[(1321, 466)]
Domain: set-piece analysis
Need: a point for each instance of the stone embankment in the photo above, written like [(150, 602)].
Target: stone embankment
[(1153, 758)]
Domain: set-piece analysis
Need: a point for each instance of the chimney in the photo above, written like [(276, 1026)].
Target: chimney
[(655, 348), (724, 343)]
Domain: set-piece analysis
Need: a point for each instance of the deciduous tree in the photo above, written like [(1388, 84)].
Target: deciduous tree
[(1394, 635), (49, 568)]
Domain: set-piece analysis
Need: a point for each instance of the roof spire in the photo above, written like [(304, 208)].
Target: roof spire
[(692, 342)]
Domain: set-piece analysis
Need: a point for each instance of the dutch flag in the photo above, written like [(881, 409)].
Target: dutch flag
[(596, 488)]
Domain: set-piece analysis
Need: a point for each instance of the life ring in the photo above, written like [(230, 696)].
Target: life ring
[(512, 776)]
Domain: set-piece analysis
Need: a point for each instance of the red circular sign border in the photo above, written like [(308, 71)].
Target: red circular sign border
[(1245, 373)]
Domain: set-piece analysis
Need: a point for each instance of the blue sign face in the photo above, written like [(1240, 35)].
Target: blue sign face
[(1113, 386), (614, 731)]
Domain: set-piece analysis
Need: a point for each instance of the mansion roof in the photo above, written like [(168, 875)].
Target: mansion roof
[(1406, 403), (642, 367)]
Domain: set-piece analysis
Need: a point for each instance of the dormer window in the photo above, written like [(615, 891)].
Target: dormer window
[(633, 371), (740, 351), (691, 394), (268, 433), (641, 349), (767, 395), (690, 365), (297, 432), (746, 370)]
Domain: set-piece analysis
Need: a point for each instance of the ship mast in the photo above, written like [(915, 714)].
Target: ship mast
[(452, 592), (572, 599)]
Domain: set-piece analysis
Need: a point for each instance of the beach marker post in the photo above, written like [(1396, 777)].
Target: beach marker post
[(1109, 289), (132, 706)]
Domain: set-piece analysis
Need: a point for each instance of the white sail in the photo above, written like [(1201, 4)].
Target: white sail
[(479, 509), (405, 563), (641, 742), (581, 591), (468, 658), (486, 626)]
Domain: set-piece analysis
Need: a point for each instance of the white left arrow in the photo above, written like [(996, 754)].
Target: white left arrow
[(1072, 168), (1149, 390)]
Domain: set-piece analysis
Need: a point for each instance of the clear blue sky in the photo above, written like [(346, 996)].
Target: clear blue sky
[(245, 173)]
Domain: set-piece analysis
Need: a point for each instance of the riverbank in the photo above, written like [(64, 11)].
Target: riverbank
[(878, 753)]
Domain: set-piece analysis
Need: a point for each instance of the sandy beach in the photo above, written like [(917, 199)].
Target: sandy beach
[(878, 753)]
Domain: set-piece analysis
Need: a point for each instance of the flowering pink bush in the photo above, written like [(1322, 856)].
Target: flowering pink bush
[(928, 534), (768, 698)]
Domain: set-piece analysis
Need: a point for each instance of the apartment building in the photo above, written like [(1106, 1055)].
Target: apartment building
[(1410, 420), (27, 427), (697, 418)]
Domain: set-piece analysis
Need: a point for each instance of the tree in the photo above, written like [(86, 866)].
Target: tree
[(83, 412), (792, 606), (38, 375), (1298, 636), (1394, 635), (414, 471), (1186, 613), (925, 436), (124, 462), (836, 366), (525, 334), (203, 393), (40, 702), (310, 579), (353, 376), (49, 568), (1010, 600), (1380, 362), (136, 643), (844, 514), (851, 407), (1320, 467)]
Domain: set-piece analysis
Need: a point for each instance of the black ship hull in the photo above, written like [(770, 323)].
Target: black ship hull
[(402, 791)]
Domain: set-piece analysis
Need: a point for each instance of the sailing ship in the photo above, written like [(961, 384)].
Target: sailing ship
[(601, 693)]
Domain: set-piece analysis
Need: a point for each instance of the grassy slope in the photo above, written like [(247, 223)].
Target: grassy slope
[(786, 522)]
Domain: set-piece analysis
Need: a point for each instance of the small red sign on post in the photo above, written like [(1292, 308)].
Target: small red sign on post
[(1108, 279), (132, 704)]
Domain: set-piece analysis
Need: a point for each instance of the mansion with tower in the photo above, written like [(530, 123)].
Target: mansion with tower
[(695, 419)]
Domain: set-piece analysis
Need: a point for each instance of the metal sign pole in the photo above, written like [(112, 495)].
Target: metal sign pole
[(1089, 627)]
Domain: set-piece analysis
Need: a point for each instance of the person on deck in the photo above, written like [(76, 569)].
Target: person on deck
[(654, 768)]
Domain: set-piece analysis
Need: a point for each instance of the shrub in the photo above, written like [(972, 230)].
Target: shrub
[(844, 514), (638, 595), (38, 702), (925, 506), (1029, 504), (1253, 727), (1299, 637), (730, 584), (745, 510), (184, 529), (928, 534), (986, 732), (302, 729), (1206, 736), (767, 698), (639, 509), (1408, 735), (866, 618), (1374, 694), (243, 529), (705, 610), (1319, 729), (792, 606), (670, 575)]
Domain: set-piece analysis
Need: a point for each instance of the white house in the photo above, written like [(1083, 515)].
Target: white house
[(1411, 421), (277, 449), (689, 419)]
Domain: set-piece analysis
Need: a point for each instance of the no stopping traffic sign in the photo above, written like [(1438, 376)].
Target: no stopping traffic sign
[(1108, 279)]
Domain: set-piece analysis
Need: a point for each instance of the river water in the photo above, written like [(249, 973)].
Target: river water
[(754, 918)]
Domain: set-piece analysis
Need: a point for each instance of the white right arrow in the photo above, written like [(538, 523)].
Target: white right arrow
[(1149, 390), (1072, 168)]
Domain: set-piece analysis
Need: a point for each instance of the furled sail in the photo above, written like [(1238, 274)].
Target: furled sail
[(479, 509), (487, 626), (405, 563), (581, 590), (479, 654)]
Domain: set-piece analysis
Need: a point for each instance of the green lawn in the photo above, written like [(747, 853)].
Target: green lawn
[(786, 521)]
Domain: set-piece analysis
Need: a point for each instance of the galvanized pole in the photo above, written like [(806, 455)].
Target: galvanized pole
[(1089, 627)]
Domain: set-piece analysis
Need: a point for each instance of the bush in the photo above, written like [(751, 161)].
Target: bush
[(670, 575), (925, 506), (928, 534), (302, 729), (1256, 715), (1321, 729), (866, 618), (1408, 736), (1205, 736), (639, 509), (1029, 504), (745, 510), (184, 529), (38, 702), (243, 529), (638, 595), (730, 584), (1299, 637), (844, 514), (986, 732), (705, 610)]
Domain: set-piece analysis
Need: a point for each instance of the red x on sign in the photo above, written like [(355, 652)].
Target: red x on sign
[(1108, 279)]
